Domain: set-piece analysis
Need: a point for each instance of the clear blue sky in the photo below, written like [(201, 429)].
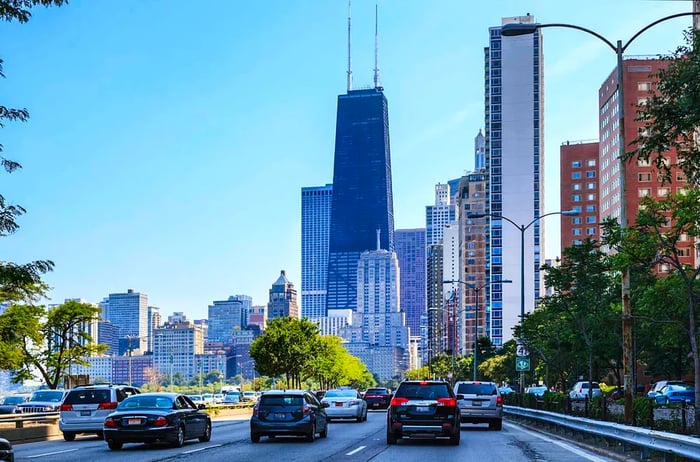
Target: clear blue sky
[(169, 140)]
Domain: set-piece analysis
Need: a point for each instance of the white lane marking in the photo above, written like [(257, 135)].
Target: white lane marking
[(568, 447), (51, 453), (355, 451), (202, 449)]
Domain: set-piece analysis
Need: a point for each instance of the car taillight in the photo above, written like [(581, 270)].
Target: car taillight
[(307, 410), (66, 407), (160, 422), (398, 401), (449, 402), (110, 423), (499, 400), (107, 406), (255, 411)]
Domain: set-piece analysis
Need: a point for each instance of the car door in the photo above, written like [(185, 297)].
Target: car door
[(195, 420), (318, 411)]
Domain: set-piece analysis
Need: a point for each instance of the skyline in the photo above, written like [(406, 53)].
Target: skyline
[(119, 87)]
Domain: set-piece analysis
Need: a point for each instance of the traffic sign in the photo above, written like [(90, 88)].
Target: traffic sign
[(522, 364), (521, 350)]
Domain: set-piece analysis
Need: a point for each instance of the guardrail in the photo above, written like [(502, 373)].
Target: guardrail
[(645, 440), (20, 419)]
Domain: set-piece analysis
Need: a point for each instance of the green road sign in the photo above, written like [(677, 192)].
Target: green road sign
[(522, 364)]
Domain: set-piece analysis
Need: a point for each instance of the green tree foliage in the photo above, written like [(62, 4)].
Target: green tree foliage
[(671, 116), (501, 366), (35, 340), (18, 282)]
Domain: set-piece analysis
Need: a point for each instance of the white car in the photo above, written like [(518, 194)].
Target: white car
[(345, 403), (197, 399), (249, 395), (218, 398), (580, 390)]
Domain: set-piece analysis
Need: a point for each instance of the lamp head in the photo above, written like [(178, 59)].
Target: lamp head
[(513, 29), (476, 215), (570, 213)]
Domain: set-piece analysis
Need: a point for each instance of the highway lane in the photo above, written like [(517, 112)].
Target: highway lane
[(346, 442)]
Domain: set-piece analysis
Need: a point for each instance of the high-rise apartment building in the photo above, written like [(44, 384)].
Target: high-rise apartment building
[(439, 215), (514, 151), (175, 347), (315, 227), (436, 316), (129, 312), (410, 250), (362, 191), (579, 191), (283, 299)]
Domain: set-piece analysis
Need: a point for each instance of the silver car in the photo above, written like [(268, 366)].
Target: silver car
[(345, 403), (582, 390), (482, 402)]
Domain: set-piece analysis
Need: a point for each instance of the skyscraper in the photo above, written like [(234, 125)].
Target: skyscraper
[(224, 316), (129, 312), (514, 155), (439, 215), (410, 250), (283, 299), (315, 227)]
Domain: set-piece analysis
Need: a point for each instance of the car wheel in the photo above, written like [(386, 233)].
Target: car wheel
[(179, 437), (496, 425), (254, 437), (359, 418), (454, 439), (324, 433), (311, 436), (114, 445), (390, 437), (68, 436), (207, 433)]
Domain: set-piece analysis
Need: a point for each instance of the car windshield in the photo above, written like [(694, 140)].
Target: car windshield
[(423, 391), (51, 396), (282, 400), (476, 389), (12, 400), (146, 402), (341, 394)]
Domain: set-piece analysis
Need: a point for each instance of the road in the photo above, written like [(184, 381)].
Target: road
[(346, 442)]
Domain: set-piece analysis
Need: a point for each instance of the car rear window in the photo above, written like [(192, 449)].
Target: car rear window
[(476, 389), (423, 391), (377, 391), (282, 400), (341, 394), (87, 397), (147, 402)]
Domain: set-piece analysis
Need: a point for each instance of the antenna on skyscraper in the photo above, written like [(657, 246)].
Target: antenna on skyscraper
[(349, 47), (379, 239), (377, 83)]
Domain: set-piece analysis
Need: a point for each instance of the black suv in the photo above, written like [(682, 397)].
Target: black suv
[(377, 398), (423, 409)]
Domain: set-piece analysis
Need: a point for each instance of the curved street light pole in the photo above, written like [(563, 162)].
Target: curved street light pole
[(619, 48)]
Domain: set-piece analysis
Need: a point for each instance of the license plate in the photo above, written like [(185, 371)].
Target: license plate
[(133, 422), (85, 412), (476, 403), (422, 409), (279, 416), (338, 404)]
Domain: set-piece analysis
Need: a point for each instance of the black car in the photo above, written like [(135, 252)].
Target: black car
[(156, 417), (377, 398), (6, 452), (423, 409), (288, 413), (10, 404)]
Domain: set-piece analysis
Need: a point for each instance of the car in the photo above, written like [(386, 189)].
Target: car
[(249, 395), (156, 418), (208, 398), (232, 397), (43, 401), (10, 404), (582, 390), (505, 390), (423, 409), (288, 413), (377, 398), (480, 402), (218, 398), (656, 387), (345, 403), (198, 400), (674, 393), (7, 454), (85, 408), (537, 391)]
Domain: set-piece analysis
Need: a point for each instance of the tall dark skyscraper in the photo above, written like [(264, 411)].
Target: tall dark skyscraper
[(362, 193)]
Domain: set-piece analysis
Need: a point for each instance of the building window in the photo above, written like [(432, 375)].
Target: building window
[(664, 192), (590, 174), (576, 231), (590, 197), (643, 86), (576, 164), (590, 219), (576, 198), (644, 177), (590, 163), (576, 175), (590, 208), (576, 186), (590, 185), (576, 221), (643, 162), (590, 231)]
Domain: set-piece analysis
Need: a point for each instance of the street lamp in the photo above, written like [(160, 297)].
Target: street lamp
[(514, 29), (522, 229)]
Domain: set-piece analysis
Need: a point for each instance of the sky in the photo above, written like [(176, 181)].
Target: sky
[(169, 140)]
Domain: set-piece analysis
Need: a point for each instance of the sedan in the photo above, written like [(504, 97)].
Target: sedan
[(676, 394), (155, 418), (345, 404), (6, 452)]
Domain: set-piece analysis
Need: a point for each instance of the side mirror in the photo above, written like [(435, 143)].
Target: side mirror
[(460, 396), (325, 404), (201, 406)]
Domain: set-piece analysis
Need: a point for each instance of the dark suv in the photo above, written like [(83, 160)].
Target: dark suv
[(288, 413), (377, 398), (423, 409)]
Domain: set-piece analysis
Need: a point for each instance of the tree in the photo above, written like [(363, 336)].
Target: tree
[(36, 340), (671, 116), (18, 282)]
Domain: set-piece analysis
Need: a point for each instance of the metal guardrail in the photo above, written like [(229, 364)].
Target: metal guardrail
[(20, 419), (668, 444)]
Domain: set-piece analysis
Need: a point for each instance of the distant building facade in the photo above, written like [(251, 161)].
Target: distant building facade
[(316, 205)]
